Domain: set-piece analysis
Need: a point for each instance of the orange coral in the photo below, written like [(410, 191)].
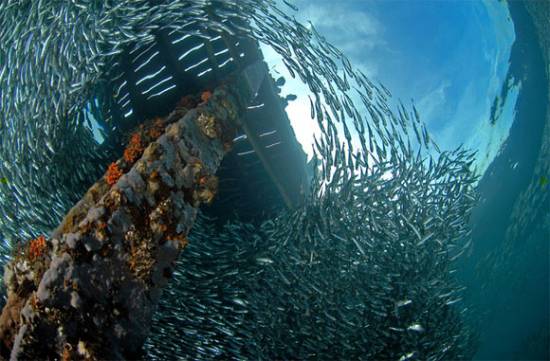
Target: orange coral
[(134, 149), (113, 174), (206, 95), (37, 247), (156, 130)]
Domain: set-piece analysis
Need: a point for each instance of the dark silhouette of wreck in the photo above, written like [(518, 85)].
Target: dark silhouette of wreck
[(267, 168)]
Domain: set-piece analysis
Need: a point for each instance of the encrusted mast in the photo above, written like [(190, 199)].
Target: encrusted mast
[(90, 289)]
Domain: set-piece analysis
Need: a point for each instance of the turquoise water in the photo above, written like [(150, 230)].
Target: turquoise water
[(404, 244), (457, 73), (511, 229), (477, 73)]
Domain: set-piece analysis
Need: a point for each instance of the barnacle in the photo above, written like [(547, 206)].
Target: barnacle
[(134, 148), (113, 199), (113, 174), (208, 125), (37, 247), (141, 258)]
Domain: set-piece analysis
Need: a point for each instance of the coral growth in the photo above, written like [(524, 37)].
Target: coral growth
[(37, 247), (113, 174), (156, 129), (182, 240), (205, 96), (209, 126), (103, 272), (206, 190), (134, 148), (141, 258), (143, 136)]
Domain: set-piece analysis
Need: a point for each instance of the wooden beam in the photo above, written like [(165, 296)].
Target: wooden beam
[(89, 290)]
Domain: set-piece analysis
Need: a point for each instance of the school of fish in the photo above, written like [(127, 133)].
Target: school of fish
[(364, 269)]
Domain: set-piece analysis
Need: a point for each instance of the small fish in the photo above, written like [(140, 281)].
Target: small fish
[(245, 291), (290, 5), (407, 356), (264, 260), (416, 327), (403, 303), (452, 302)]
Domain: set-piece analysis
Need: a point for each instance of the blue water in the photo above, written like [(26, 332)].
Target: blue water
[(508, 275), (457, 59), (477, 74)]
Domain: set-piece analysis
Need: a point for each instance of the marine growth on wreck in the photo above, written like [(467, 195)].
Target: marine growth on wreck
[(360, 268)]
